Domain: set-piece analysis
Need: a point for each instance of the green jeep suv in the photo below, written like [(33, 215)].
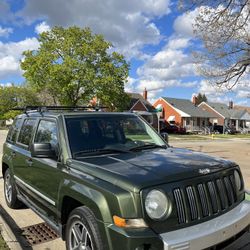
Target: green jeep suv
[(109, 181)]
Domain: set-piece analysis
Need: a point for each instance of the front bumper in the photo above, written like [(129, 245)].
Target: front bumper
[(209, 233)]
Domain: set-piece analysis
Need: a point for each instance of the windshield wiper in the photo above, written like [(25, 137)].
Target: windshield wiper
[(101, 151), (148, 146)]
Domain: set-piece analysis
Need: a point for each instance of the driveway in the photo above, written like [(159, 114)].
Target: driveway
[(237, 150)]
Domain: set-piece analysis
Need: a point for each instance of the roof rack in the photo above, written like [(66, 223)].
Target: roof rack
[(41, 109)]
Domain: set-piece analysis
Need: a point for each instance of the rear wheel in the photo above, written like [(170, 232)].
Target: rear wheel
[(82, 231), (10, 192)]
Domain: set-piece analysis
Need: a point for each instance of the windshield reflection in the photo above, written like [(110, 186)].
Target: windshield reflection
[(106, 134)]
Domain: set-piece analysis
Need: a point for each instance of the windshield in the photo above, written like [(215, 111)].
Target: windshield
[(124, 133)]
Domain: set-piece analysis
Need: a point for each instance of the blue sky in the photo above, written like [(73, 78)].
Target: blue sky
[(154, 36)]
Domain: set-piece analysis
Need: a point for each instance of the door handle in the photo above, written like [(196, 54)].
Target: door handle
[(13, 153), (29, 162)]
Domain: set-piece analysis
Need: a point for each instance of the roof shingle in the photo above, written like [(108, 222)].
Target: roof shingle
[(188, 107)]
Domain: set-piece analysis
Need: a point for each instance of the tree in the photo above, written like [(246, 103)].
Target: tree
[(223, 26), (74, 66), (201, 98), (13, 97)]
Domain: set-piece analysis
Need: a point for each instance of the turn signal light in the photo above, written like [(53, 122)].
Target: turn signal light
[(129, 223)]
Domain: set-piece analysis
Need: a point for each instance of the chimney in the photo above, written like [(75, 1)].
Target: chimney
[(194, 100), (231, 105), (145, 94)]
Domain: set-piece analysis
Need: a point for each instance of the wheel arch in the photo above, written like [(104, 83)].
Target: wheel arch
[(92, 199), (5, 166)]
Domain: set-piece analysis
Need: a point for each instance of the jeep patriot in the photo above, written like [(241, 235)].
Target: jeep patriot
[(109, 181)]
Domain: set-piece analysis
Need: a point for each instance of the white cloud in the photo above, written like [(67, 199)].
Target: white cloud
[(159, 85), (183, 24), (243, 88), (130, 85), (178, 43), (11, 54), (5, 12), (42, 27), (8, 65), (7, 84), (240, 92), (243, 94), (4, 32), (129, 25), (168, 67)]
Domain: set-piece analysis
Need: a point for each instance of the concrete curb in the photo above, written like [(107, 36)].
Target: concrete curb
[(11, 232), (9, 236)]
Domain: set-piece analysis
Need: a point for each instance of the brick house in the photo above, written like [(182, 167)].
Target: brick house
[(139, 104), (227, 115), (183, 113)]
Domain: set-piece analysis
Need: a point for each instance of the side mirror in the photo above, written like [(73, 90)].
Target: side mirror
[(42, 150), (165, 136)]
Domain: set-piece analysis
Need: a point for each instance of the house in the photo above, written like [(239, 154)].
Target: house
[(183, 113), (247, 108), (227, 115), (139, 104)]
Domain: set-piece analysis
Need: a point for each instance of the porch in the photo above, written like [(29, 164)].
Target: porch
[(197, 125)]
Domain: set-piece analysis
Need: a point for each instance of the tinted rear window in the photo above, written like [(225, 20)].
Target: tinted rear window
[(26, 131), (14, 129)]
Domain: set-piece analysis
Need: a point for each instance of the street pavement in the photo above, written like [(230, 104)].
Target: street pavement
[(236, 150)]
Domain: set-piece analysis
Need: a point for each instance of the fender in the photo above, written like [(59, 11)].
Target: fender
[(87, 196)]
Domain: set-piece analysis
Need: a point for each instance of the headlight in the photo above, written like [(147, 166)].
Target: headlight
[(157, 205), (238, 182)]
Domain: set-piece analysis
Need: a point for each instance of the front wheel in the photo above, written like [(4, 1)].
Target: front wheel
[(82, 231), (10, 192)]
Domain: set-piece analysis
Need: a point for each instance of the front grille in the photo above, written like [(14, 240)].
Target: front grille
[(205, 199)]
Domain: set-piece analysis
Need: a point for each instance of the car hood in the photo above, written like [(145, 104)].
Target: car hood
[(134, 171)]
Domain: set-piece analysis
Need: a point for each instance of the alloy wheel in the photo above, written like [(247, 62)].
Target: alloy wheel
[(8, 188), (79, 238)]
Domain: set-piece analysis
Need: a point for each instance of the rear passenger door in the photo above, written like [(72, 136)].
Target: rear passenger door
[(21, 156)]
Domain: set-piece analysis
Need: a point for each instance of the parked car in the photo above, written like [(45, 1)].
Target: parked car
[(227, 130), (173, 129), (107, 181)]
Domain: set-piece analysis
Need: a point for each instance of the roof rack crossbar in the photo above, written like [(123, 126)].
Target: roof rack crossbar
[(41, 109)]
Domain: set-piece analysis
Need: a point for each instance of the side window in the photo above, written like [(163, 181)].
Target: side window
[(13, 131), (46, 133), (26, 131)]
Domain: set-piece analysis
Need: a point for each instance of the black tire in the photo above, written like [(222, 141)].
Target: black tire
[(82, 219), (10, 192)]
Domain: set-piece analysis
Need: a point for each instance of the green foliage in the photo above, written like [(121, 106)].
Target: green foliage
[(73, 66), (15, 96), (3, 245), (201, 98)]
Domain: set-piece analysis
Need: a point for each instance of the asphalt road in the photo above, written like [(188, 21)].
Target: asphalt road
[(237, 150)]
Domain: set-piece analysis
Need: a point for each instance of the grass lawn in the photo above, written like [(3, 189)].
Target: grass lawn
[(207, 137), (248, 197), (3, 245)]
